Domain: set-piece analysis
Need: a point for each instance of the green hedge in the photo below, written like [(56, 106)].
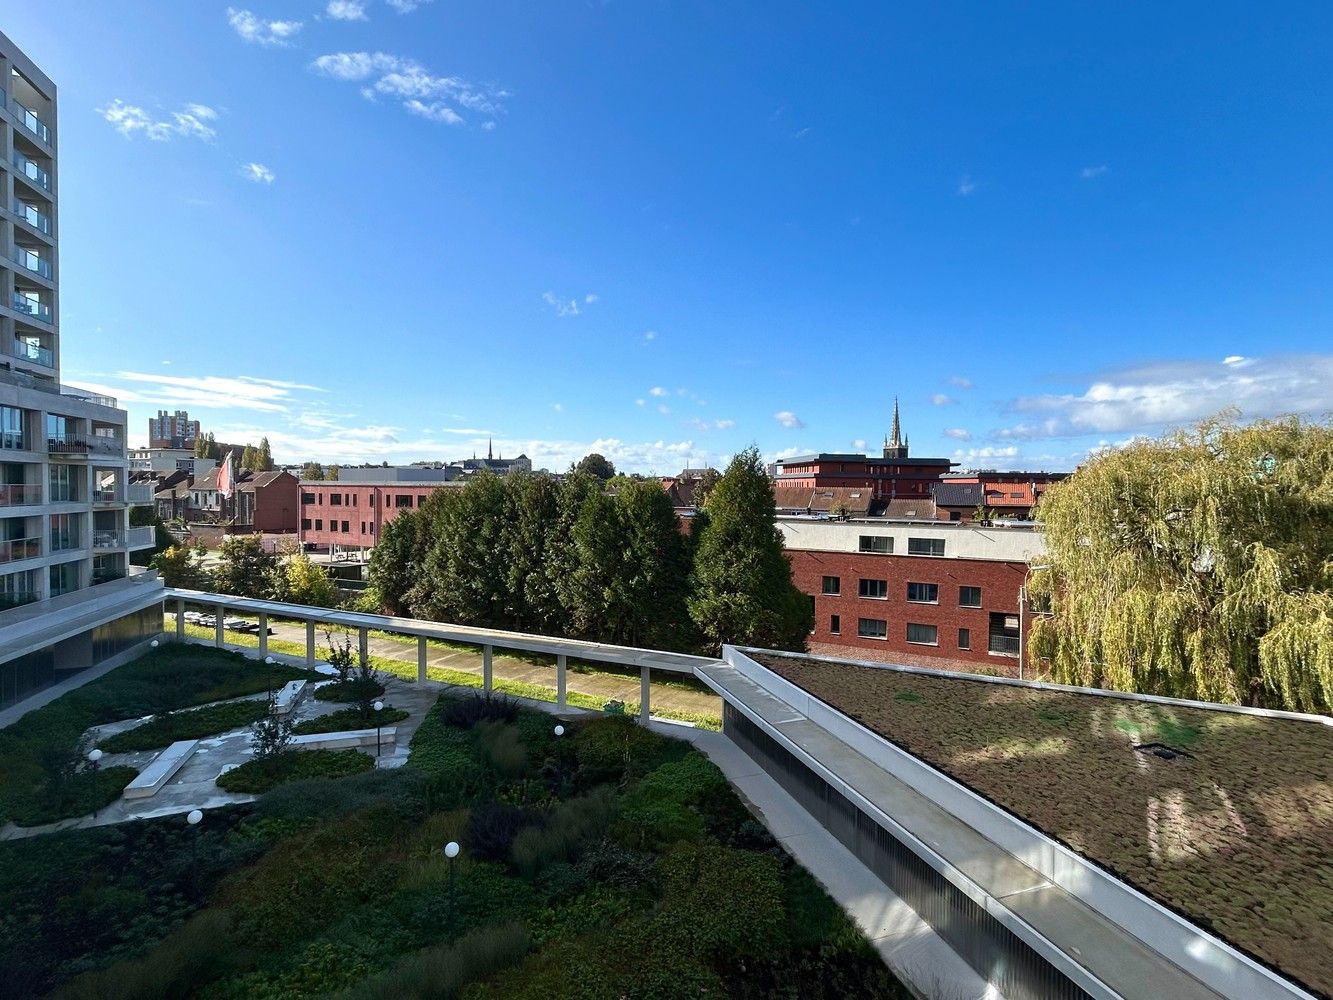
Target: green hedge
[(255, 777), (350, 691), (346, 719), (191, 724)]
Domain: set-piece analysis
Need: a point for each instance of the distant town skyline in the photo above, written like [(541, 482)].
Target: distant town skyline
[(665, 234)]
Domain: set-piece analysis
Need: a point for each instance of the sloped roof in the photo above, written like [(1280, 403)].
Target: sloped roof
[(918, 508), (958, 494)]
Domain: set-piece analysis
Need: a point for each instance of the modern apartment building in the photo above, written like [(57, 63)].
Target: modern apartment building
[(172, 430), (917, 592), (66, 601)]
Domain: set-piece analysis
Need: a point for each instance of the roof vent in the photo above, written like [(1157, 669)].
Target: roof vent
[(1162, 750)]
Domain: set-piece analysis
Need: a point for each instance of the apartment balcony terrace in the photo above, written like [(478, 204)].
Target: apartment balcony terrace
[(31, 259), (14, 549), (25, 350), (33, 216), (33, 305), (108, 539), (68, 444), (20, 495), (144, 537), (29, 120), (32, 171)]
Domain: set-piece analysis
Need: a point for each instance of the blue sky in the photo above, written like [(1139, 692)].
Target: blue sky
[(667, 230)]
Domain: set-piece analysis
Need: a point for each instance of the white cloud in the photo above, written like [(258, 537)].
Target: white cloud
[(657, 390), (958, 433), (558, 407), (942, 399), (724, 425), (649, 336), (1088, 173), (346, 10), (1154, 395), (788, 419), (194, 121), (988, 452), (475, 431), (562, 307), (435, 98), (663, 409), (961, 382), (256, 30), (715, 425), (640, 402), (784, 453), (243, 392), (407, 6), (590, 298), (966, 186), (257, 172), (859, 444)]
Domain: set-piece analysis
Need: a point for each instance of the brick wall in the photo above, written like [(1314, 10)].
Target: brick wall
[(364, 510)]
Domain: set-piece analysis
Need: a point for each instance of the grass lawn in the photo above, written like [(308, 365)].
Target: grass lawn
[(407, 670), (609, 862), (1237, 836), (43, 777)]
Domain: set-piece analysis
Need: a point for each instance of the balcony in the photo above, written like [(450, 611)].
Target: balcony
[(15, 549), (33, 171), (107, 496), (67, 444), (33, 306), (108, 539), (141, 538), (107, 444), (16, 599), (26, 351), (31, 260), (140, 494), (30, 121), (20, 495), (33, 216), (1006, 645)]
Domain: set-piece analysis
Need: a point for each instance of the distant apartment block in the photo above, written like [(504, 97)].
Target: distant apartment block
[(66, 596), (1014, 495), (172, 430), (349, 514)]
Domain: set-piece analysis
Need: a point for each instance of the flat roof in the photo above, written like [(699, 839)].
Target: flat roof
[(1236, 834), (869, 459)]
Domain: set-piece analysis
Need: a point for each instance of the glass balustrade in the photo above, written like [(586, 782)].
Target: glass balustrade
[(33, 216), (19, 495), (35, 353), (32, 261), (26, 302), (29, 120), (33, 170), (14, 549)]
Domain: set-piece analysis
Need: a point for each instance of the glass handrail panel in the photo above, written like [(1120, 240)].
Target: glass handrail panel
[(32, 123)]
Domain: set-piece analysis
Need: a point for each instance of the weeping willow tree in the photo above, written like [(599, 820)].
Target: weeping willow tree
[(1199, 565)]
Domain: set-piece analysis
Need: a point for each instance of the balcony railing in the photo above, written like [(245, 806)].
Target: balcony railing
[(14, 549), (140, 493), (108, 496), (144, 537), (66, 541), (106, 444), (36, 353), (31, 122), (67, 444), (20, 495), (31, 260), (1006, 644), (108, 540), (33, 170), (33, 216), (33, 306), (16, 599)]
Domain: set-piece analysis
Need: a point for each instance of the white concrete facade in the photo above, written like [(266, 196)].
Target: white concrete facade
[(1020, 543)]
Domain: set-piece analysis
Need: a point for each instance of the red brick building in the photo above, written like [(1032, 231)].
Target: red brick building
[(922, 593), (268, 502), (343, 516), (1002, 494)]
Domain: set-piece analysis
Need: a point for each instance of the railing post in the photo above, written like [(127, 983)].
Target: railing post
[(263, 634), (560, 680), (363, 644), (421, 659), (486, 674), (643, 694), (218, 615), (310, 643), (180, 620)]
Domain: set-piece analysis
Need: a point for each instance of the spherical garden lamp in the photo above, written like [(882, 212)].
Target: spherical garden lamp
[(379, 707), (94, 755), (451, 850), (155, 644), (194, 817), (560, 730)]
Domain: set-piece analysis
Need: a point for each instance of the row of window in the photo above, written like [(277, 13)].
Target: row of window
[(351, 500), (883, 545), (917, 593), (918, 634)]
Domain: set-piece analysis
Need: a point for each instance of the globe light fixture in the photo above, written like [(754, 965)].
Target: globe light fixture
[(154, 644), (560, 730), (269, 660), (379, 707), (195, 817), (94, 755), (451, 850)]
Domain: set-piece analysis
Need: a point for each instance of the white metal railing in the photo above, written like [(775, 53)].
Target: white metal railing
[(141, 538)]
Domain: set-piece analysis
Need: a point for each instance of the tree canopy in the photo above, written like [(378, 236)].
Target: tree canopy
[(596, 465), (312, 471), (1198, 565)]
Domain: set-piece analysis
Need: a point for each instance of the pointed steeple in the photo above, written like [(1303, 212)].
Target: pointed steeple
[(489, 455), (897, 431), (895, 446)]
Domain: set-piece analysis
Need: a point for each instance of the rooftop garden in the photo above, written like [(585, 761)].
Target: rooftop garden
[(607, 861), (1232, 827)]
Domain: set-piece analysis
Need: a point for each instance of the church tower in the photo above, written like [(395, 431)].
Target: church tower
[(895, 445)]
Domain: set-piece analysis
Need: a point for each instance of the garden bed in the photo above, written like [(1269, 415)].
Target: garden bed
[(1236, 834), (189, 724), (350, 719), (257, 776)]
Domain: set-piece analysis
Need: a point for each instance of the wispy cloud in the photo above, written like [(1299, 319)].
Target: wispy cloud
[(970, 455), (657, 390), (193, 121), (1154, 395), (346, 10), (649, 336), (590, 298), (961, 382), (788, 419), (710, 425), (942, 399), (244, 392), (257, 31), (258, 173), (407, 6), (966, 186), (1088, 173), (566, 307), (421, 93), (958, 433)]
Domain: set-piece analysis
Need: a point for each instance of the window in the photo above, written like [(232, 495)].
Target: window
[(305, 524), (835, 624), (420, 500), (882, 544), (923, 593), (923, 635), (363, 527), (925, 546), (333, 525), (319, 524), (955, 515), (969, 597), (307, 498), (877, 589), (344, 527), (833, 585), (402, 500), (964, 638), (62, 483), (64, 532), (336, 499), (354, 499), (1002, 637), (872, 628), (11, 428), (64, 578)]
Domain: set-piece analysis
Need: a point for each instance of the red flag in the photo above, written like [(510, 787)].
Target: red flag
[(227, 476)]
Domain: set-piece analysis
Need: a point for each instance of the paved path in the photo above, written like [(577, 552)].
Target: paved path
[(602, 686)]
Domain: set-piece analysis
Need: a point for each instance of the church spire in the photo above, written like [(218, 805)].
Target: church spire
[(895, 445), (897, 431), (489, 456)]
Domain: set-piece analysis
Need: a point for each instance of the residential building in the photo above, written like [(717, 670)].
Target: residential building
[(914, 591), (65, 494), (892, 475), (347, 516), (268, 502), (173, 430), (1014, 495), (162, 461)]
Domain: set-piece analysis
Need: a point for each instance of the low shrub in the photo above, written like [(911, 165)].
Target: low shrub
[(441, 971), (615, 748), (565, 831), (192, 724), (349, 719), (662, 809), (355, 691), (255, 777), (319, 969), (491, 829), (501, 746), (721, 902), (465, 711), (77, 795)]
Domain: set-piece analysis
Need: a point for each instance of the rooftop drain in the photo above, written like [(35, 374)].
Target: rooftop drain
[(1162, 750)]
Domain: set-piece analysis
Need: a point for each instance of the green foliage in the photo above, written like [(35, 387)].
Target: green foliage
[(349, 719), (1198, 565), (312, 472), (182, 567), (466, 711), (397, 559), (502, 748), (271, 734), (742, 591), (659, 810), (245, 568), (722, 901), (565, 831), (257, 776), (441, 971), (596, 465), (613, 748), (307, 583), (355, 691), (163, 730)]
